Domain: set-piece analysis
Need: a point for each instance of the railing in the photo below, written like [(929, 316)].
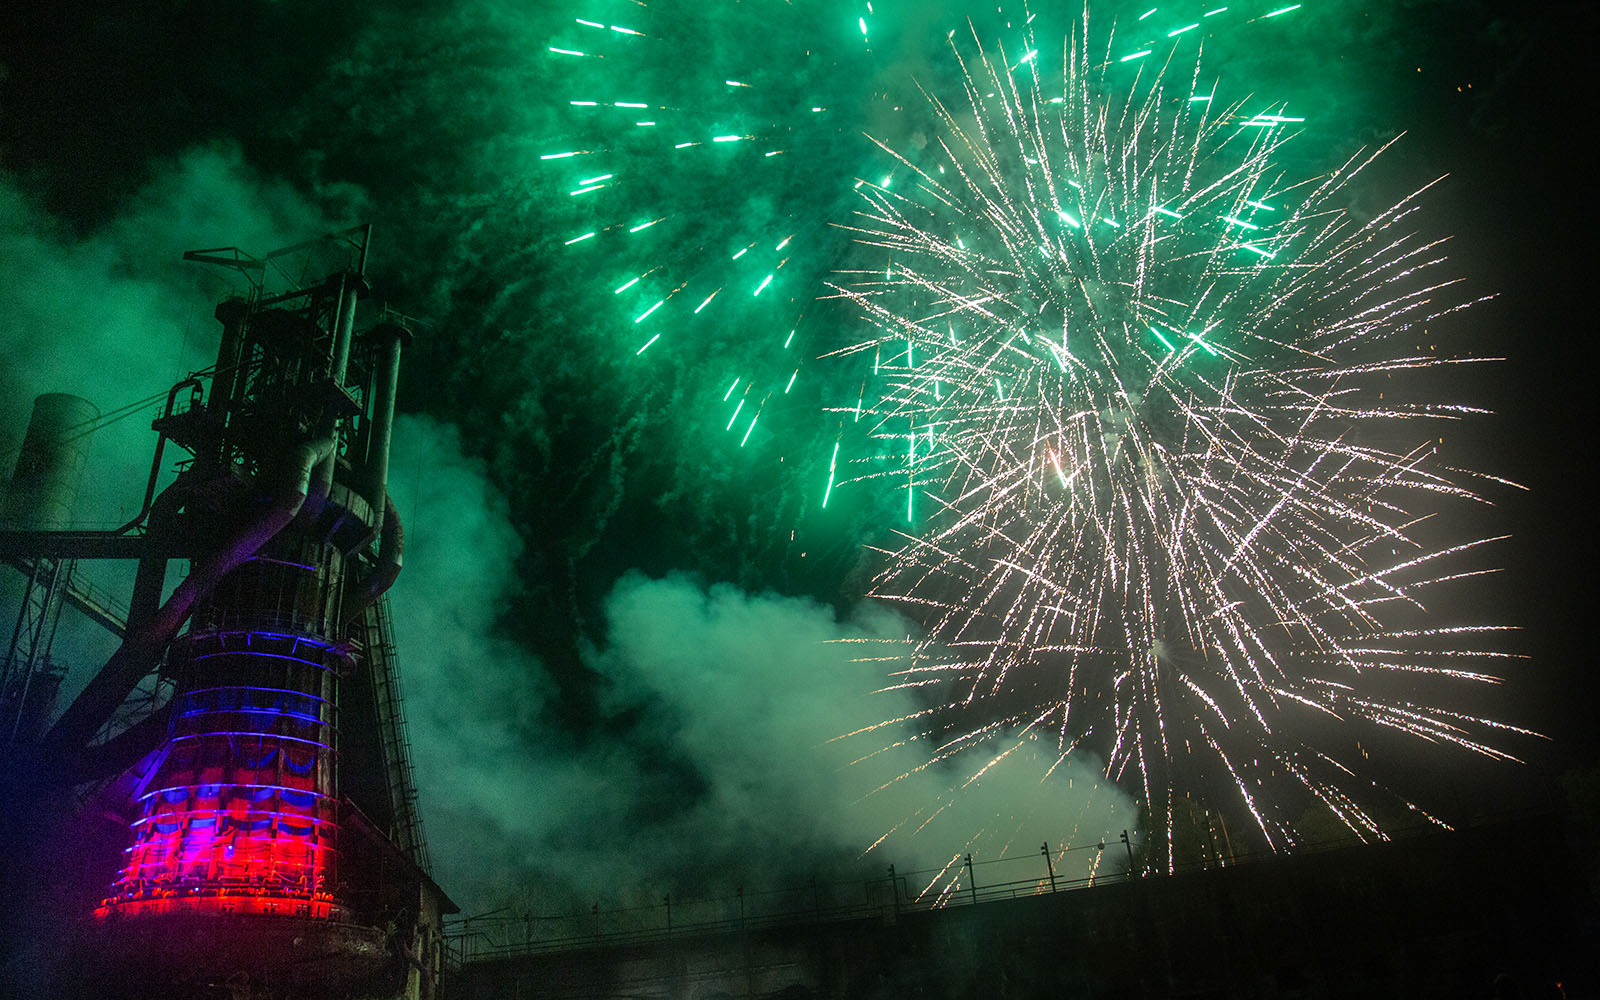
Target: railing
[(103, 607), (493, 936), (506, 934)]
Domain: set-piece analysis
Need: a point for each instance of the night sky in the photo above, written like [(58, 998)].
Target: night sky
[(615, 612)]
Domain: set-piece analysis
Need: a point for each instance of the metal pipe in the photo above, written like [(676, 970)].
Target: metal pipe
[(344, 323), (146, 641), (231, 313), (205, 575), (391, 555), (151, 576), (386, 377), (161, 439), (149, 488)]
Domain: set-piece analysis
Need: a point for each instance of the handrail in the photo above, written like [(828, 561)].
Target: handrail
[(501, 935)]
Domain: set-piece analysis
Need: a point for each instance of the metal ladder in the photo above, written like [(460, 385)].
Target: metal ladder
[(384, 670)]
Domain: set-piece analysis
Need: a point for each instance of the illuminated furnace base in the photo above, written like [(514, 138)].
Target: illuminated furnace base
[(240, 815)]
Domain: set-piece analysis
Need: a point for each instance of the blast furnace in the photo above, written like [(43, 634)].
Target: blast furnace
[(247, 736)]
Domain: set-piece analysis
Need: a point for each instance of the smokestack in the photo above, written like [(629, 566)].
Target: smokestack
[(49, 472)]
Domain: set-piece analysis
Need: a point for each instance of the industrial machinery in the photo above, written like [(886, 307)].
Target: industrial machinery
[(270, 838)]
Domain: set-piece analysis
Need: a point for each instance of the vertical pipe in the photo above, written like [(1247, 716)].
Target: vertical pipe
[(343, 326), (391, 556), (231, 313), (386, 376), (344, 322)]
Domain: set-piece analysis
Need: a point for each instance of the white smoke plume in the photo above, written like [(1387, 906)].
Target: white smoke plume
[(717, 757), (724, 761)]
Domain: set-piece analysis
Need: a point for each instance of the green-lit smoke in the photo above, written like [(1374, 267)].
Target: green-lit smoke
[(430, 120)]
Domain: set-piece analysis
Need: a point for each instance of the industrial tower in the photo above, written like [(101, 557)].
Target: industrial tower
[(247, 735)]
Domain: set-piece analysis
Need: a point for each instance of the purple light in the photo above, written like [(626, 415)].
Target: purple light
[(240, 816)]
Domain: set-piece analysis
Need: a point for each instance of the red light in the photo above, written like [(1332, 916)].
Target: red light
[(239, 816)]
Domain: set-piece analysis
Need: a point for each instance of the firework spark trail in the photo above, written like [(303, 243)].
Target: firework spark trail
[(1149, 375), (680, 192)]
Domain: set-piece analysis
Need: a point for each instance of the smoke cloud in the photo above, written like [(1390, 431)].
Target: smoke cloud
[(712, 751), (116, 316), (609, 695), (718, 757)]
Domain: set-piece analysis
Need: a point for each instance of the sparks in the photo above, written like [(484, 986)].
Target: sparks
[(1180, 528)]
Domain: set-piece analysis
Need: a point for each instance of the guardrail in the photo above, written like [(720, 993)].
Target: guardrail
[(506, 934)]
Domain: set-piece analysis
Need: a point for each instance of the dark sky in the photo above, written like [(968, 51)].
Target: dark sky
[(614, 614)]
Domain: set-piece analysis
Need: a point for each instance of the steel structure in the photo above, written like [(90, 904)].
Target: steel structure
[(42, 492), (269, 799)]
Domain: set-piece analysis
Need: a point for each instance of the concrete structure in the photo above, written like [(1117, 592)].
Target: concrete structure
[(44, 485), (1436, 916)]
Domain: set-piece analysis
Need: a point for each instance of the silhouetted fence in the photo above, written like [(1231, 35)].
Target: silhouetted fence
[(962, 882)]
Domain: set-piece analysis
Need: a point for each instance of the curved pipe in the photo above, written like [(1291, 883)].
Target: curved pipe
[(145, 642), (205, 575), (155, 463), (391, 555)]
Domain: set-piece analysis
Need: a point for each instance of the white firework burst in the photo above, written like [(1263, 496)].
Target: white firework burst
[(1147, 399)]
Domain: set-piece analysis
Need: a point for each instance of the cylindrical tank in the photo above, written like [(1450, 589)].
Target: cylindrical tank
[(44, 487), (241, 814)]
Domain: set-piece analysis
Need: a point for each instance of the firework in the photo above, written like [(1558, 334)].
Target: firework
[(680, 192), (1166, 491)]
